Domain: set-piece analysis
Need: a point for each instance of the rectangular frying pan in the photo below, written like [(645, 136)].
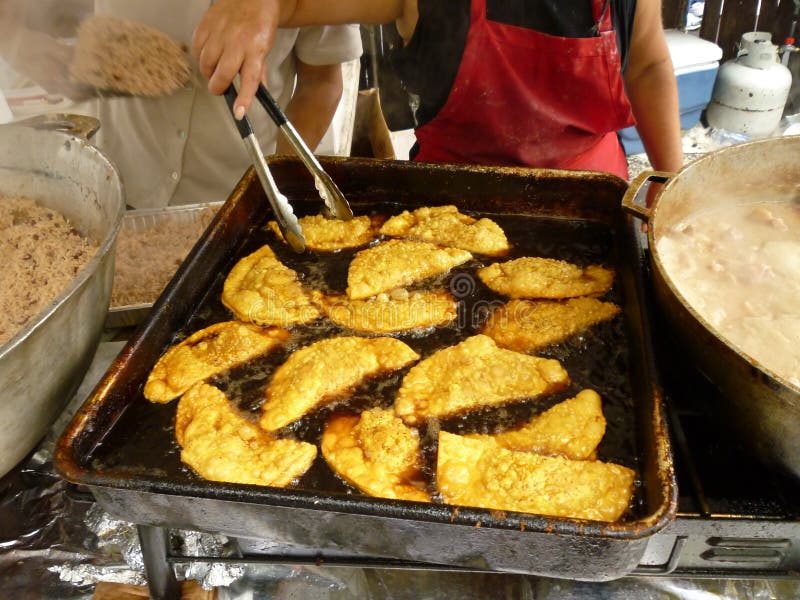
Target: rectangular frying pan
[(122, 447)]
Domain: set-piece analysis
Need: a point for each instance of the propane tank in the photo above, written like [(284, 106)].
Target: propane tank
[(751, 90)]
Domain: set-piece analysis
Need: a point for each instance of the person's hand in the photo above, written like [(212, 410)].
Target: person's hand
[(234, 36)]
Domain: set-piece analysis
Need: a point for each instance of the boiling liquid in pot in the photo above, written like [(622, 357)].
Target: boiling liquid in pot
[(738, 266)]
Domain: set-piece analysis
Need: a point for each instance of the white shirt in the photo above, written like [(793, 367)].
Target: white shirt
[(184, 148)]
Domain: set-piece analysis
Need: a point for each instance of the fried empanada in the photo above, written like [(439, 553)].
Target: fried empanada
[(262, 290), (473, 375), (535, 277), (329, 235), (208, 352), (572, 428), (221, 445), (528, 326), (392, 312), (479, 472), (326, 370), (445, 226), (398, 263), (376, 453)]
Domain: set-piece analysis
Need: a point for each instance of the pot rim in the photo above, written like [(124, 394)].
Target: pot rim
[(659, 204)]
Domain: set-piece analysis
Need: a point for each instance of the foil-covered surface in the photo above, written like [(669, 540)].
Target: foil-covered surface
[(209, 575), (56, 543), (116, 537), (695, 142), (42, 518)]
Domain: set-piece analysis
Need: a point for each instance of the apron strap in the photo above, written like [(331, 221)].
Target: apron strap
[(602, 16)]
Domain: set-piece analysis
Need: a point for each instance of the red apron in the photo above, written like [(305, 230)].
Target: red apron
[(526, 98)]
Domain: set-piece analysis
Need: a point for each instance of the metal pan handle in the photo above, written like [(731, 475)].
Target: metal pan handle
[(642, 183), (78, 125)]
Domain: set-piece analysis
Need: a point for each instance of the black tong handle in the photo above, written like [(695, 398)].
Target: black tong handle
[(267, 101), (243, 125), (271, 106)]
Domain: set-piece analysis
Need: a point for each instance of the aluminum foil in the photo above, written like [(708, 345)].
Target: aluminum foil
[(695, 142), (209, 575), (114, 537)]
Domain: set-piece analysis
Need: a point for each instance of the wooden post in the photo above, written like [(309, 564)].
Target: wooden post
[(781, 23), (673, 14), (709, 28), (738, 17)]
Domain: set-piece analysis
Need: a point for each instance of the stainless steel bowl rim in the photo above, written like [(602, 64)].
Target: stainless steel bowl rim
[(110, 239)]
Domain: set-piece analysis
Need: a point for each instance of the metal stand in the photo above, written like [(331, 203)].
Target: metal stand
[(162, 583), (161, 580)]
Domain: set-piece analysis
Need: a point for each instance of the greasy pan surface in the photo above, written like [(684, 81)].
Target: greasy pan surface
[(119, 440)]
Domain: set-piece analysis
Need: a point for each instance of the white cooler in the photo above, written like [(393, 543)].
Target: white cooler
[(696, 62)]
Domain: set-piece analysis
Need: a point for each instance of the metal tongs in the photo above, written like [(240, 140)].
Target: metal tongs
[(328, 191)]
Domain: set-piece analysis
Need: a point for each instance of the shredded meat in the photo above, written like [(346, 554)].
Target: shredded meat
[(40, 254), (127, 57), (147, 259)]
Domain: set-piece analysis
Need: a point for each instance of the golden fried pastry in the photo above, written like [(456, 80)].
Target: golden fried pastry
[(376, 453), (572, 428), (206, 353), (472, 375), (479, 472), (398, 310), (262, 290), (445, 226), (528, 326), (398, 263), (221, 445), (326, 370), (329, 235), (534, 277)]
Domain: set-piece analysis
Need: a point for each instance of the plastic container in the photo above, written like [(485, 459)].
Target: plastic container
[(696, 62), (139, 222)]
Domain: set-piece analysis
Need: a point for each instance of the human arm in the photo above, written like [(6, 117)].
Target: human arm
[(652, 89), (316, 95), (234, 36)]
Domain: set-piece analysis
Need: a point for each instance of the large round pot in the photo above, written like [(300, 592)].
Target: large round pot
[(50, 160), (762, 406)]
